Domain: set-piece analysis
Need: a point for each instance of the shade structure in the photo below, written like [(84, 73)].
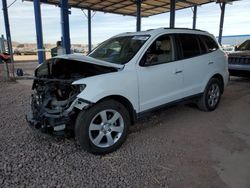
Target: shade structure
[(128, 7)]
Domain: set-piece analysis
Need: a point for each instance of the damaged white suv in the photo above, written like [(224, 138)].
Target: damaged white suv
[(100, 95)]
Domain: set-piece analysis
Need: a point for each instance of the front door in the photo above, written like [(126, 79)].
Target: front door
[(160, 76)]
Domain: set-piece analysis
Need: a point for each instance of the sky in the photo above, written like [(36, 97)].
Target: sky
[(104, 25)]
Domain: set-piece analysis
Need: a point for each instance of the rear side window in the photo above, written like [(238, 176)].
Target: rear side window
[(210, 43), (189, 45), (203, 47)]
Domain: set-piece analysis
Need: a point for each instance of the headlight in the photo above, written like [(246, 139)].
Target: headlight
[(82, 87)]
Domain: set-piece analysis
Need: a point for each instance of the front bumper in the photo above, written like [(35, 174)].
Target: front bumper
[(53, 124), (239, 67), (56, 123), (239, 70)]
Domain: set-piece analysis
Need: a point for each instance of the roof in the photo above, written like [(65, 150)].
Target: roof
[(155, 32), (128, 7)]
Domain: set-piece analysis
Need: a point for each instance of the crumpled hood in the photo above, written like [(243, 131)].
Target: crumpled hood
[(91, 60)]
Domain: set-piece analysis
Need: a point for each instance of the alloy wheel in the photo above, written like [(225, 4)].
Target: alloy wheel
[(106, 128), (213, 95)]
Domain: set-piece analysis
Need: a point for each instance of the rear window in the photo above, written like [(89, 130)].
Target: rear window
[(189, 45), (210, 43)]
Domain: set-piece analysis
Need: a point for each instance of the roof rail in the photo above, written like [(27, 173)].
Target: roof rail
[(184, 28), (177, 28)]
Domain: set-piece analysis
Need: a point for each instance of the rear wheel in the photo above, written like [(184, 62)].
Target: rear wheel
[(211, 96), (102, 128)]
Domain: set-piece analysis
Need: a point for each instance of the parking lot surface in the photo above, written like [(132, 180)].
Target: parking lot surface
[(177, 147)]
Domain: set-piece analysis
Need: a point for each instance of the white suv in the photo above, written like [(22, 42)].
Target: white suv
[(100, 95)]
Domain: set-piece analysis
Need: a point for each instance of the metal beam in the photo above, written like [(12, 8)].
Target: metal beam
[(138, 15), (155, 6), (39, 31), (89, 30), (164, 5), (172, 13), (123, 6), (65, 25), (222, 6), (194, 16), (98, 3), (78, 3), (187, 2), (8, 35)]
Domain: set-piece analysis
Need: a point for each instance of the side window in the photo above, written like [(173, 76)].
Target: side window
[(210, 43), (203, 47), (189, 45), (160, 51)]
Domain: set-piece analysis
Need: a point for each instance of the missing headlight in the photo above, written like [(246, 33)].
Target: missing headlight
[(82, 87)]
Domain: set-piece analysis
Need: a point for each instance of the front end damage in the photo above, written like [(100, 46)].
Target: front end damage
[(54, 102), (54, 106)]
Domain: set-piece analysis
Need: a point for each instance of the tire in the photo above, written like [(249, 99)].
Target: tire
[(210, 99), (102, 128)]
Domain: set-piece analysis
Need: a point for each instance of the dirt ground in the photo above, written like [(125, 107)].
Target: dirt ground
[(24, 58), (177, 147)]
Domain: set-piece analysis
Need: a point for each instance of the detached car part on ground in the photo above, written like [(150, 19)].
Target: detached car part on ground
[(239, 61), (97, 97)]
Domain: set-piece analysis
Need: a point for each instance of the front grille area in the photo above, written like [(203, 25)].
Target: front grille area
[(239, 60)]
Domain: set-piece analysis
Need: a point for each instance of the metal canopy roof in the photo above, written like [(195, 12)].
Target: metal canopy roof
[(128, 7)]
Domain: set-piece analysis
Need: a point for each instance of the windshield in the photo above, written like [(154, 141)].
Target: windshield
[(119, 50), (244, 46)]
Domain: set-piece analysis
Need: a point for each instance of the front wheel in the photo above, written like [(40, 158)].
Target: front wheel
[(211, 96), (102, 128)]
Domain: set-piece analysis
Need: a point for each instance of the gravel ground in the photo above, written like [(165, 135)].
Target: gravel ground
[(28, 68), (177, 147)]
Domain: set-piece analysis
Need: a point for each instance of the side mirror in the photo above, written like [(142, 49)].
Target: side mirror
[(235, 48)]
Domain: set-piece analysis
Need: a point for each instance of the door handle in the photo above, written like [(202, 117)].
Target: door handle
[(178, 72), (211, 62)]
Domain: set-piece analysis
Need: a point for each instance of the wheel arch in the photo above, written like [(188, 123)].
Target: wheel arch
[(219, 77), (127, 104)]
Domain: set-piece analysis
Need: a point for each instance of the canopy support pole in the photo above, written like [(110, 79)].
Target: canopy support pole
[(194, 16), (222, 6), (89, 31), (8, 35), (65, 25), (39, 31), (172, 13), (138, 15)]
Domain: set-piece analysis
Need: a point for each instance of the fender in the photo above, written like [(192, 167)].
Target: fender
[(224, 76), (123, 83), (221, 68)]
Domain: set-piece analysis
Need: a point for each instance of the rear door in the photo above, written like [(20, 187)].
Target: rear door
[(197, 63)]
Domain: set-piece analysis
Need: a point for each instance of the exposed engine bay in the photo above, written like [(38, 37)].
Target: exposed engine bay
[(52, 107)]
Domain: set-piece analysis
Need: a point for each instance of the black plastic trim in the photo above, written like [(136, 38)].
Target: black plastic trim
[(183, 100)]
